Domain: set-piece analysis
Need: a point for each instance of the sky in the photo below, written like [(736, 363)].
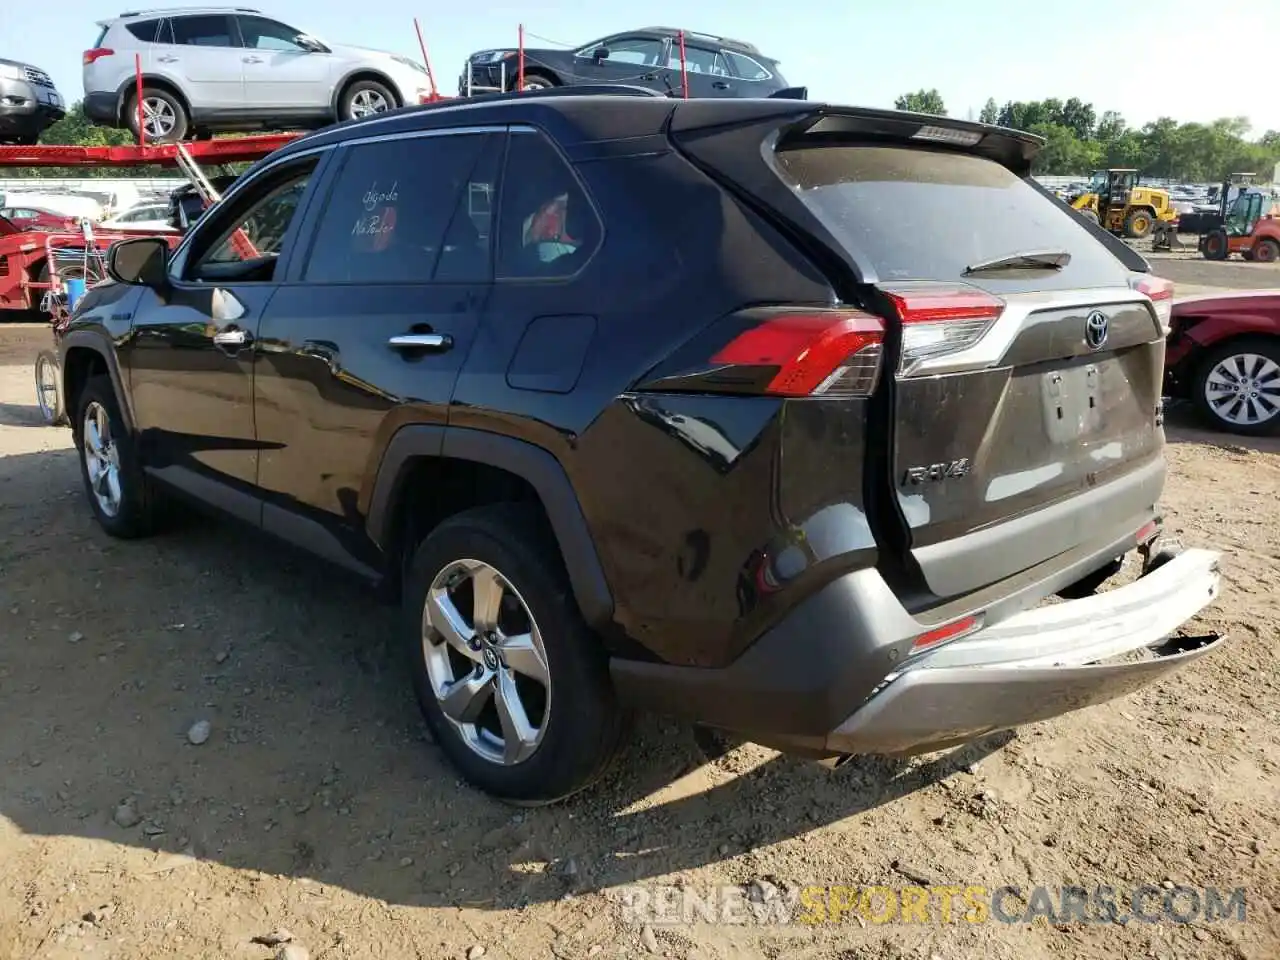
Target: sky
[(860, 52)]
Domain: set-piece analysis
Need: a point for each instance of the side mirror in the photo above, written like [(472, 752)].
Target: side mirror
[(309, 44), (602, 53), (141, 262)]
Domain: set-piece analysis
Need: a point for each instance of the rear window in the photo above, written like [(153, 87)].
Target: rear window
[(917, 214), (144, 30)]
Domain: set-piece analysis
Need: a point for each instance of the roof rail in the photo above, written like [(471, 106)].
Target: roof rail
[(547, 93), (152, 11), (723, 41)]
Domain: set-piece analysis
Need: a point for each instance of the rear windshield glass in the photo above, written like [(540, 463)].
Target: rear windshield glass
[(917, 214)]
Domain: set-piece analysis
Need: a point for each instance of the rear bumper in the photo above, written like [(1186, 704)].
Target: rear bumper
[(837, 677), (102, 108), (1039, 664)]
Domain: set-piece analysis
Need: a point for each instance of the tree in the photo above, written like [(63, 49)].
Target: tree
[(922, 101), (990, 112), (1079, 117)]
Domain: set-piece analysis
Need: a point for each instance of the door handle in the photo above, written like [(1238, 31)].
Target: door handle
[(232, 339), (720, 85), (167, 59), (252, 59), (431, 342)]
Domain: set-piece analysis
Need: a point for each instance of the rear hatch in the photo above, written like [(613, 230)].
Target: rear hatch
[(1020, 388)]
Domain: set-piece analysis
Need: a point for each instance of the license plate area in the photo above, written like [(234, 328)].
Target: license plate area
[(1071, 402)]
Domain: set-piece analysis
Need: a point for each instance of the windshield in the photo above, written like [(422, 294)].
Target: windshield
[(920, 214)]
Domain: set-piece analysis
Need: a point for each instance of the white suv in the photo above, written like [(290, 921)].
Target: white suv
[(206, 69)]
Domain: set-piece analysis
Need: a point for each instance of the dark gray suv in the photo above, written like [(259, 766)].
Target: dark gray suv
[(29, 103)]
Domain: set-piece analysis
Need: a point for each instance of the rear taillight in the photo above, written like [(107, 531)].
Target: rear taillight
[(939, 319), (97, 53), (1160, 291), (829, 353)]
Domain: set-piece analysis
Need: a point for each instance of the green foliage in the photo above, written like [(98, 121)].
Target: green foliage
[(1079, 141), (75, 130), (922, 101)]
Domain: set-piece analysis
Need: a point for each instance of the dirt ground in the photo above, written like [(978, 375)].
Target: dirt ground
[(319, 805)]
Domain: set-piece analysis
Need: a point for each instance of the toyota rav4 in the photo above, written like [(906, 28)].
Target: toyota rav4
[(779, 416)]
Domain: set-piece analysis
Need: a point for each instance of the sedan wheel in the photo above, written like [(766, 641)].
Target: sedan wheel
[(1240, 387), (486, 662)]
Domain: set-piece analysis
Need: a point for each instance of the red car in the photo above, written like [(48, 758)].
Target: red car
[(37, 218), (1224, 356)]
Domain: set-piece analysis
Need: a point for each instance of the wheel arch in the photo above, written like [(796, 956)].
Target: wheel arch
[(83, 354), (130, 87), (356, 75), (546, 73), (495, 467)]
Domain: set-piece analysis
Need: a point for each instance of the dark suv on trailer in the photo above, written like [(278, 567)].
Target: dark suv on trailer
[(648, 57), (779, 416)]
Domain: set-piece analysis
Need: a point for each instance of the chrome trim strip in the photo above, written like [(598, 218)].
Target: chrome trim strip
[(995, 343)]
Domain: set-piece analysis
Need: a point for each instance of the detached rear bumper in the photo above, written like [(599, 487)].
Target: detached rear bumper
[(1039, 664), (837, 676)]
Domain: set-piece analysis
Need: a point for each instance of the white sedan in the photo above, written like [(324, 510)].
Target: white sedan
[(149, 216)]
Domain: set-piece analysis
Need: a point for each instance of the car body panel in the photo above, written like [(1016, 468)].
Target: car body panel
[(29, 102), (1201, 322)]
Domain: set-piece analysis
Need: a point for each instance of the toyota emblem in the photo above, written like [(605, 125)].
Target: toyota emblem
[(1096, 328)]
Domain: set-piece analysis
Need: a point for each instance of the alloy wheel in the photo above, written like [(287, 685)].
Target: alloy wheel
[(158, 117), (486, 662), (368, 102), (102, 459), (1244, 389)]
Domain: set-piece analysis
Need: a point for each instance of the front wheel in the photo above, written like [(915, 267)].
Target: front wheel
[(119, 492), (513, 684), (1237, 387), (49, 389), (365, 98), (1216, 246)]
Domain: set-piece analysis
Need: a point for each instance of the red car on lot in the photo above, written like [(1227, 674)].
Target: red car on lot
[(1223, 355), (37, 218)]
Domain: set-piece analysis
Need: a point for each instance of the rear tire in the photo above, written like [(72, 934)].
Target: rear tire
[(1254, 359), (573, 725), (120, 494), (166, 118), (1216, 246), (1266, 251), (1138, 224)]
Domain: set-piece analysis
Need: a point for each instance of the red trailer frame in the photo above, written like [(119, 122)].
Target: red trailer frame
[(26, 255)]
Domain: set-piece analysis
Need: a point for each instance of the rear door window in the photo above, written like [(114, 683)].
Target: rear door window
[(919, 214), (548, 227), (410, 210), (203, 31)]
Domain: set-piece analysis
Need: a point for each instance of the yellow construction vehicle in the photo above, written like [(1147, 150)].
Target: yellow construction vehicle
[(1116, 201)]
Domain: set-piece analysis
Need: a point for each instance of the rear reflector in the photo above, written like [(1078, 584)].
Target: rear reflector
[(831, 353), (1160, 291), (939, 319), (948, 631), (97, 53)]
